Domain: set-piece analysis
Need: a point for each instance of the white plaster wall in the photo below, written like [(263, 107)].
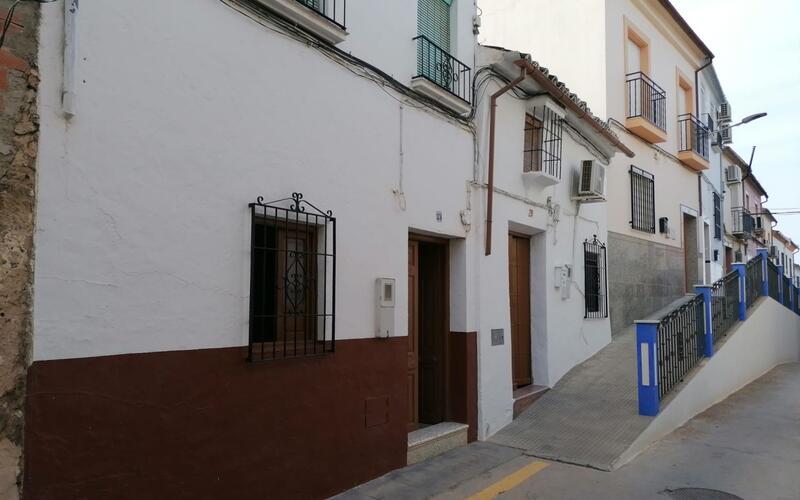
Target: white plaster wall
[(143, 226), (561, 337), (769, 337), (713, 178), (566, 37), (587, 52)]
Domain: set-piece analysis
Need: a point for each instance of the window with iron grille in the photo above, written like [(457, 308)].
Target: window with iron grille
[(542, 153), (717, 217), (594, 276), (292, 279), (643, 210)]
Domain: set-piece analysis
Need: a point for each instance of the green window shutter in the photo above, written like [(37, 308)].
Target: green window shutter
[(433, 21)]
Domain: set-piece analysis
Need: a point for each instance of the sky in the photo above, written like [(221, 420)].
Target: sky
[(756, 45)]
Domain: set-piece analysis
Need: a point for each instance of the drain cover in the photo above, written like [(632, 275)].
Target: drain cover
[(700, 494)]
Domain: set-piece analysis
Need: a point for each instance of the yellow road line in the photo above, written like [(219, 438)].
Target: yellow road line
[(510, 481)]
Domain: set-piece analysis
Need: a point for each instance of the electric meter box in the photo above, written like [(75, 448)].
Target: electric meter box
[(385, 289)]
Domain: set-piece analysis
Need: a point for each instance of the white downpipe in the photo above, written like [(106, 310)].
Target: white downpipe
[(68, 96)]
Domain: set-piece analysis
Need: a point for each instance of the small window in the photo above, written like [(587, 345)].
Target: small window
[(643, 211), (717, 217), (594, 275), (542, 148), (292, 272)]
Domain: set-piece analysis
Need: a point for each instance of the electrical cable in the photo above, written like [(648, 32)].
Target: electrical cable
[(10, 16)]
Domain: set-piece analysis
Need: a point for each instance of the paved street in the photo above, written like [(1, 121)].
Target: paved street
[(747, 446)]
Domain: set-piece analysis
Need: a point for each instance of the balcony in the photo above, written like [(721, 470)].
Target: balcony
[(442, 77), (692, 142), (646, 108), (743, 222), (323, 18)]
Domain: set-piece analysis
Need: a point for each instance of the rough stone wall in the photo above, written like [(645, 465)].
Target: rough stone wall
[(19, 127), (642, 277)]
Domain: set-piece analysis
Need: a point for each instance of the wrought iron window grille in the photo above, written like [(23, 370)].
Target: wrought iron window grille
[(543, 142), (292, 279), (595, 279), (643, 211), (717, 217)]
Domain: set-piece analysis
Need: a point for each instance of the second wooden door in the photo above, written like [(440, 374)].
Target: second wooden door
[(519, 272)]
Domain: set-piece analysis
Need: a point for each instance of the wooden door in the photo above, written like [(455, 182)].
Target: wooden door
[(413, 335), (432, 306), (519, 285)]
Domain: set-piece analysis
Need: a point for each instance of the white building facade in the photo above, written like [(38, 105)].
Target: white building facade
[(635, 61), (545, 259), (163, 264)]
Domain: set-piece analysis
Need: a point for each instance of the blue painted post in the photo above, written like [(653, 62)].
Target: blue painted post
[(780, 285), (740, 270), (705, 291), (765, 279), (647, 367)]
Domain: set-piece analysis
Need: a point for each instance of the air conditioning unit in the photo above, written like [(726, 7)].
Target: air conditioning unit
[(725, 134), (733, 174), (591, 182), (724, 113)]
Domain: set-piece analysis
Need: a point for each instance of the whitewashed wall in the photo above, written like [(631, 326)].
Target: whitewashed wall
[(714, 177), (187, 111), (561, 337)]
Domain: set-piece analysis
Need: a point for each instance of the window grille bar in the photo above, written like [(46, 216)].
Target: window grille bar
[(286, 258), (595, 279), (642, 200)]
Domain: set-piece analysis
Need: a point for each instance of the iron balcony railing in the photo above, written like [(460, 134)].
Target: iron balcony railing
[(772, 278), (334, 11), (754, 277), (724, 305), (692, 135), (646, 99), (681, 340), (787, 287), (438, 66), (743, 222)]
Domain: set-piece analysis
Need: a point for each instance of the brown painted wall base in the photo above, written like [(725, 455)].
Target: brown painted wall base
[(205, 424), (463, 387)]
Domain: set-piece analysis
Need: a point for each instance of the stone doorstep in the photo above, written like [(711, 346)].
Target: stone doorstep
[(434, 440), (526, 396)]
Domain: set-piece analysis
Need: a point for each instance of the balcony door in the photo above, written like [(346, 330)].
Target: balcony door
[(433, 22)]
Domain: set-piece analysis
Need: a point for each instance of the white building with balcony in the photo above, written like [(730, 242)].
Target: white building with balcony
[(636, 62)]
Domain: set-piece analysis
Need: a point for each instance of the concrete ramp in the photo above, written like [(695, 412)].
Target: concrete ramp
[(591, 418)]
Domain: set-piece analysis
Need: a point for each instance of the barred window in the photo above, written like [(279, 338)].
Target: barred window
[(292, 274), (543, 136), (717, 217), (643, 211), (594, 276)]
